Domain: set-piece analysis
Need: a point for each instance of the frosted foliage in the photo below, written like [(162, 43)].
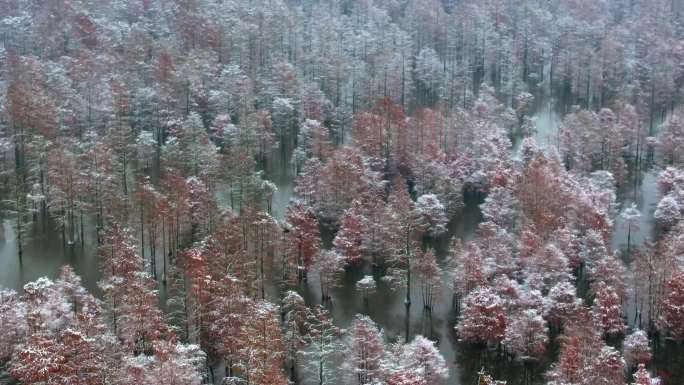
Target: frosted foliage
[(636, 348), (432, 213), (482, 318), (668, 211), (526, 334), (13, 321), (422, 358)]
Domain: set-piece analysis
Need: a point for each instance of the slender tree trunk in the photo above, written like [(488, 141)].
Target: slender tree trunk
[(142, 230), (320, 371), (164, 248), (82, 230), (407, 301)]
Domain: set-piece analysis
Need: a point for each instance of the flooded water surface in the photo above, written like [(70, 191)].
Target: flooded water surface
[(45, 253)]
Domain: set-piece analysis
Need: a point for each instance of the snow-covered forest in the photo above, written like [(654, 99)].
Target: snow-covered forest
[(352, 192)]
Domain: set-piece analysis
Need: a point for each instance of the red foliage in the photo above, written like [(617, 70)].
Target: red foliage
[(607, 310), (569, 368), (305, 241), (70, 359), (672, 307), (130, 292), (483, 318), (261, 356), (643, 377), (382, 135), (541, 197), (165, 67), (86, 29), (366, 349), (406, 378), (349, 238)]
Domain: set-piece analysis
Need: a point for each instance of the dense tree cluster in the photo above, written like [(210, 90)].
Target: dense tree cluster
[(151, 128)]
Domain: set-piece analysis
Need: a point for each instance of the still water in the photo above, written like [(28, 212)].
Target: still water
[(44, 254)]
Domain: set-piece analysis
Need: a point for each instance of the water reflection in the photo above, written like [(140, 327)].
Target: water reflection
[(386, 307), (645, 195), (43, 254)]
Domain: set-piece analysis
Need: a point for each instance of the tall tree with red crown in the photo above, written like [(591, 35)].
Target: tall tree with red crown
[(672, 308), (304, 237), (483, 318), (405, 226), (366, 349), (349, 238)]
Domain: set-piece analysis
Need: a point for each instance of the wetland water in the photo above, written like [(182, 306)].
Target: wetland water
[(44, 254)]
